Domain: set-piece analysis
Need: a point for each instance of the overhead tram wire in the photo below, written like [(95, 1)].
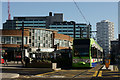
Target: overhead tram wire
[(82, 15), (81, 12)]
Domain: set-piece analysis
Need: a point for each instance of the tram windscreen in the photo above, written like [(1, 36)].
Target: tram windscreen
[(81, 47)]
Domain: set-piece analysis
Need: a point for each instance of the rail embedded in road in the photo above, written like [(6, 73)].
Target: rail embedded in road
[(78, 73)]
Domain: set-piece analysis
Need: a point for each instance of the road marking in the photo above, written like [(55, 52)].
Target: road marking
[(46, 73), (100, 74), (95, 74)]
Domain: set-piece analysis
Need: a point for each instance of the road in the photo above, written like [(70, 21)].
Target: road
[(70, 74), (65, 74)]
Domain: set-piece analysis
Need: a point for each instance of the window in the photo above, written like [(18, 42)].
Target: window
[(93, 52), (38, 44), (29, 40), (29, 33), (43, 38), (33, 37), (81, 50), (25, 40), (43, 44), (46, 41), (32, 44), (39, 37), (46, 35)]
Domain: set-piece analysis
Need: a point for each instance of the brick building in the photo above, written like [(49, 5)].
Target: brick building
[(34, 38)]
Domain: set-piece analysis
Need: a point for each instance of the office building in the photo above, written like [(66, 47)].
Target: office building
[(105, 34), (33, 21), (54, 22)]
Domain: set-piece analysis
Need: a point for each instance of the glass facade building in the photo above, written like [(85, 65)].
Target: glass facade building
[(33, 21), (13, 24), (66, 28)]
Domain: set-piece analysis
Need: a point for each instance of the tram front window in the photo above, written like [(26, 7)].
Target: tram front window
[(81, 47), (81, 50)]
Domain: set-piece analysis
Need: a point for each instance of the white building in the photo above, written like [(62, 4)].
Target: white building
[(105, 34)]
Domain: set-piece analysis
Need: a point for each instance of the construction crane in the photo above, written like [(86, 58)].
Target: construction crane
[(9, 16)]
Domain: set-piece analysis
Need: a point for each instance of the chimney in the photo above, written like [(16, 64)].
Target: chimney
[(50, 13)]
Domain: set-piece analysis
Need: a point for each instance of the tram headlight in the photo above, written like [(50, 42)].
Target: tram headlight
[(87, 60), (75, 61)]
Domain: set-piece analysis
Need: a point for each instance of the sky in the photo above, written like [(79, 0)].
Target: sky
[(93, 11)]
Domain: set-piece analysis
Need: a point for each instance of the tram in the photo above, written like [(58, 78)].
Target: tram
[(86, 53)]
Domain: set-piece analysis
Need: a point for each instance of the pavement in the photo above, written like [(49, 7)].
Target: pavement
[(16, 71), (7, 75)]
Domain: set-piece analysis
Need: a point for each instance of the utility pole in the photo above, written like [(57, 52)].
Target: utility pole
[(81, 33), (74, 29), (22, 54), (88, 30)]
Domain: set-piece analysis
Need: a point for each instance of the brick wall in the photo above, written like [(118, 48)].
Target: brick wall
[(14, 32)]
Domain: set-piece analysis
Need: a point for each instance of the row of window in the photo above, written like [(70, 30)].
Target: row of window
[(83, 29), (31, 21), (31, 24), (61, 43), (40, 38), (78, 36), (84, 33), (67, 26), (12, 40), (42, 45), (72, 31)]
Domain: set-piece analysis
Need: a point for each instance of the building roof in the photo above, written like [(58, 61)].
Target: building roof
[(63, 37), (11, 45), (6, 32), (41, 29)]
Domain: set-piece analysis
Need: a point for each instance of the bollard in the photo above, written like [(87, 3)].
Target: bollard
[(54, 66)]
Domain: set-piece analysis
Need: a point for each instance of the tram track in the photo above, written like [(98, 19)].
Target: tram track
[(97, 68), (73, 73), (80, 74)]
